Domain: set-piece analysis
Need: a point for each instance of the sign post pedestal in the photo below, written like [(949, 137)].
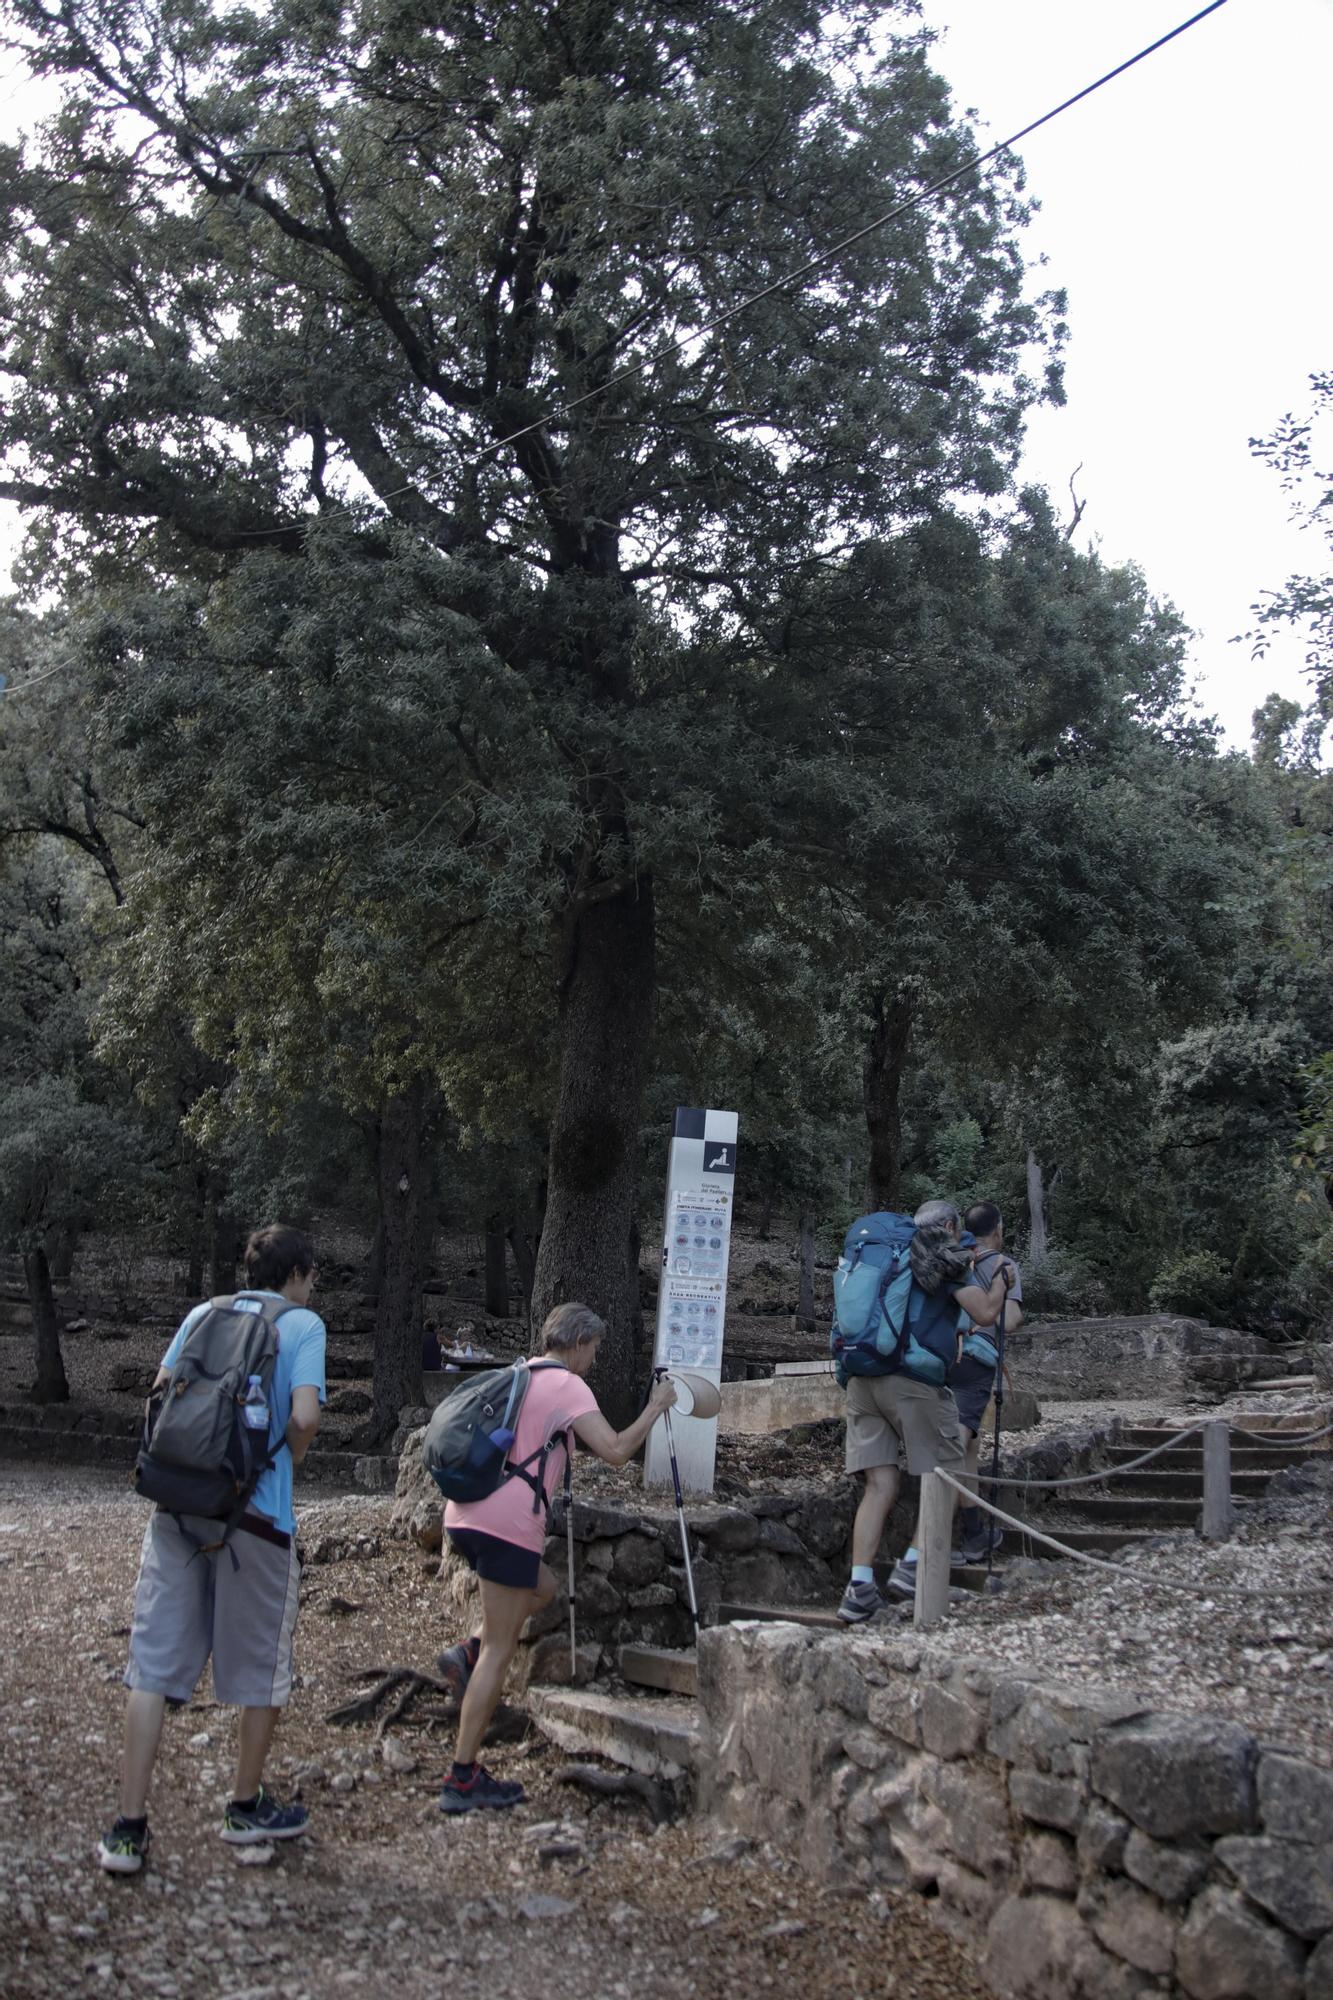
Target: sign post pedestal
[(692, 1290)]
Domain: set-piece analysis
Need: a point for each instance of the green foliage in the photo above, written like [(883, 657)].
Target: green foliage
[(1067, 1286), (1199, 1284)]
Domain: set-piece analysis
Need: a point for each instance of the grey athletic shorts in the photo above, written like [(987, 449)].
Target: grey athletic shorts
[(188, 1605), (892, 1420)]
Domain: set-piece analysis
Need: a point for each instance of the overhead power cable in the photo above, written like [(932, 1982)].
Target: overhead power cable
[(803, 271), (831, 255), (796, 277)]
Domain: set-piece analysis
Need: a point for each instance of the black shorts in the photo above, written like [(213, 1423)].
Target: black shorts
[(497, 1561), (973, 1385)]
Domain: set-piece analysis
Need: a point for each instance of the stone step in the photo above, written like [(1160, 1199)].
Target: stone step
[(1101, 1540), (344, 1471), (1150, 1511), (1183, 1482), (1187, 1458), (657, 1667), (1272, 1423), (820, 1618), (659, 1737)]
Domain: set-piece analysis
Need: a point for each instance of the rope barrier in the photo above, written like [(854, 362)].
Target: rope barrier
[(1281, 1437), (1119, 1569), (1107, 1472)]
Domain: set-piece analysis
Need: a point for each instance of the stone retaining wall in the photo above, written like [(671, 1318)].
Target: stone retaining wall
[(773, 1549), (1084, 1360), (1088, 1847)]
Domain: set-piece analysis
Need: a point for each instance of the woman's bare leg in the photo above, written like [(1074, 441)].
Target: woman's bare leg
[(504, 1612)]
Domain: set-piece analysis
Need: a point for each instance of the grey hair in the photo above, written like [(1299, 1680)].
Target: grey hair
[(937, 1259), (568, 1326), (937, 1214)]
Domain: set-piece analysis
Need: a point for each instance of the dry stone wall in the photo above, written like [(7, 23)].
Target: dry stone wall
[(785, 1548), (1083, 1360), (1089, 1847)]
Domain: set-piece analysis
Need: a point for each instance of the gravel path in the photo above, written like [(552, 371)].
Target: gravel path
[(382, 1894)]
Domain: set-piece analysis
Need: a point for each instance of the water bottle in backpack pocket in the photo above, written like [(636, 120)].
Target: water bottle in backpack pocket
[(205, 1439), (471, 1434)]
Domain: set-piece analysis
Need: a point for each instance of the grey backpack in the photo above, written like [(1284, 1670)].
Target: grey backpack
[(197, 1455)]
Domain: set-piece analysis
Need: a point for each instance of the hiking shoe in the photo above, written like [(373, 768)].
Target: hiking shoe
[(124, 1849), (481, 1790), (902, 1579), (266, 1819), (454, 1667), (976, 1548), (859, 1602)]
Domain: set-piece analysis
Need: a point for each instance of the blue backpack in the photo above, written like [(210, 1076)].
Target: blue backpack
[(878, 1311)]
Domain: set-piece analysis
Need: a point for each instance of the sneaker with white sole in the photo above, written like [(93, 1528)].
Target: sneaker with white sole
[(266, 1819), (859, 1602), (902, 1579), (124, 1848), (976, 1548)]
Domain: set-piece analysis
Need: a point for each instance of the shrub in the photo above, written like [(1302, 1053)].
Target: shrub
[(1198, 1284)]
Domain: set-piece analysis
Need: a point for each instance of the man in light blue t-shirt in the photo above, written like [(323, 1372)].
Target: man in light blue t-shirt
[(235, 1601)]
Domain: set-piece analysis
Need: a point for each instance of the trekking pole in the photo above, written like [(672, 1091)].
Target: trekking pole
[(995, 1458), (680, 1512), (569, 1545)]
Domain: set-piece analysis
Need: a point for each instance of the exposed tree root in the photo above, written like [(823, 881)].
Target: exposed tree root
[(657, 1796), (404, 1695)]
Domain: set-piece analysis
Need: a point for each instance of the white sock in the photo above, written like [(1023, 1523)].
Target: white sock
[(910, 1557), (862, 1573)]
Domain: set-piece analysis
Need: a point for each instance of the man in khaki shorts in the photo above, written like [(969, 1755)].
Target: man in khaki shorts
[(896, 1421)]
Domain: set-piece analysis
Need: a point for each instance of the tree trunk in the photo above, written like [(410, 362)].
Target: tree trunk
[(765, 1215), (224, 1252), (62, 1268), (805, 1296), (52, 1385), (407, 1219), (523, 1243), (1037, 1238), (375, 1261), (886, 1056), (497, 1277), (606, 1015)]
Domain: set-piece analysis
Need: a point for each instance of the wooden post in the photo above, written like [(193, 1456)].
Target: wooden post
[(1217, 1512), (932, 1556)]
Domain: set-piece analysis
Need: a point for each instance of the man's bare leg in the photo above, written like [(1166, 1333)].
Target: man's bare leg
[(877, 1503), (254, 1734), (144, 1715)]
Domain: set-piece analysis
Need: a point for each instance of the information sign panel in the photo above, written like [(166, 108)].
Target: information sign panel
[(692, 1291)]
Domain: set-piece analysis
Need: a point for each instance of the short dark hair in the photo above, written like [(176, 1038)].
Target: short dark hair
[(274, 1253), (983, 1218)]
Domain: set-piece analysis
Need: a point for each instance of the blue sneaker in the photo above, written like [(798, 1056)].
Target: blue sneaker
[(266, 1819), (124, 1849), (454, 1666), (480, 1791)]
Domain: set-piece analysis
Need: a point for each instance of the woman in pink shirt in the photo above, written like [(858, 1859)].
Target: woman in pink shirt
[(502, 1536)]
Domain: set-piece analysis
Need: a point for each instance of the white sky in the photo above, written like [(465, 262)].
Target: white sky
[(1184, 208)]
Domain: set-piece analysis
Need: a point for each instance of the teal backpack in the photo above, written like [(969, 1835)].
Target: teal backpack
[(878, 1309)]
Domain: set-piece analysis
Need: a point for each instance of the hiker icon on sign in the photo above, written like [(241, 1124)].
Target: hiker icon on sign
[(719, 1157)]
